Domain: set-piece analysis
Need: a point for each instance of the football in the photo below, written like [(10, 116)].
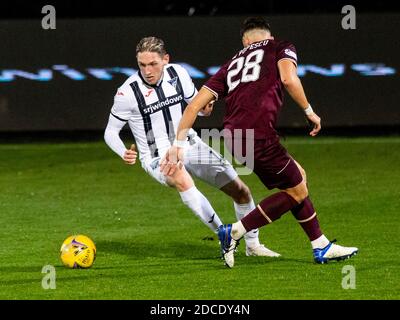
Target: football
[(78, 251)]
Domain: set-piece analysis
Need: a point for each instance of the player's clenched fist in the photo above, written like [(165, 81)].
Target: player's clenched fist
[(130, 155), (207, 110)]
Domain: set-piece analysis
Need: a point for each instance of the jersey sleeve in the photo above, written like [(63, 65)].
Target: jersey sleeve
[(286, 50), (188, 87), (122, 107), (111, 136), (217, 83)]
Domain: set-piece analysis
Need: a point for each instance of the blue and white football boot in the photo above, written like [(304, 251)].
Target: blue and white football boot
[(333, 252), (228, 244)]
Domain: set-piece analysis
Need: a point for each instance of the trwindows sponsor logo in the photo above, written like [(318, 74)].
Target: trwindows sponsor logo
[(164, 103)]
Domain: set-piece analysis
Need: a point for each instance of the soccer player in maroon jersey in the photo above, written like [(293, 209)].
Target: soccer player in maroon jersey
[(252, 84)]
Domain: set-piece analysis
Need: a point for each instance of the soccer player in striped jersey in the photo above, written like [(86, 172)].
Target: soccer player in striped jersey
[(152, 102), (252, 83)]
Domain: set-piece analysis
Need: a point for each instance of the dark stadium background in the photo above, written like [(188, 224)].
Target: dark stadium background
[(93, 34)]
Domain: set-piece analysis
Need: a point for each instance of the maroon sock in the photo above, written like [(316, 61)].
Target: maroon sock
[(305, 211), (272, 208)]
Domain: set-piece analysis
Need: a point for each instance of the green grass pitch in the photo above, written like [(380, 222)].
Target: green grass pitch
[(150, 246)]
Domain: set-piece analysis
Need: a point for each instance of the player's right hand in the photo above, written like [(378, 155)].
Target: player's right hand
[(130, 155), (172, 161), (316, 122), (207, 110)]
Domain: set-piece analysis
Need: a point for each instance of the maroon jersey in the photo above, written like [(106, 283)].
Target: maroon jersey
[(252, 88)]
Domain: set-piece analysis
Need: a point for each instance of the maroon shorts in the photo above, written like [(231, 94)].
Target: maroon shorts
[(272, 163)]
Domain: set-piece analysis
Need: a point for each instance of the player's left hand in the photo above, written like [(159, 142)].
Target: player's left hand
[(316, 121), (172, 161)]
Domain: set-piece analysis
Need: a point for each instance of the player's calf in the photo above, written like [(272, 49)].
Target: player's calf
[(238, 191)]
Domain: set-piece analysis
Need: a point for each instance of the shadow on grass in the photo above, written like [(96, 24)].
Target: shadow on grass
[(160, 250), (189, 251), (10, 269), (63, 274), (59, 279)]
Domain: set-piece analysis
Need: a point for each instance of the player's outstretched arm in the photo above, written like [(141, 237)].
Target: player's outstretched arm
[(293, 86), (200, 101), (175, 153), (113, 140)]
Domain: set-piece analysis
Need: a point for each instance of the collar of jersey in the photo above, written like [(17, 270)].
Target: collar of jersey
[(151, 85)]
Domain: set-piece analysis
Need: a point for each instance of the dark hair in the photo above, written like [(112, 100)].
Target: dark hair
[(254, 23)]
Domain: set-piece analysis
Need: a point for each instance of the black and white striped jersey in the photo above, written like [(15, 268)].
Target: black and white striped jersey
[(153, 112)]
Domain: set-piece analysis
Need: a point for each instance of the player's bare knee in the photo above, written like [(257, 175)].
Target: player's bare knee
[(180, 180), (302, 192), (180, 185), (299, 192), (171, 182)]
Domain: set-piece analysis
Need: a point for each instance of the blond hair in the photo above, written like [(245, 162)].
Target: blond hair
[(151, 44)]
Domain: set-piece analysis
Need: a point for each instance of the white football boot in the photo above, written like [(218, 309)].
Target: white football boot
[(333, 252), (261, 251)]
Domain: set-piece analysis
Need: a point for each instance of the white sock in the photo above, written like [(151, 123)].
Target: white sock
[(241, 211), (320, 242), (238, 230), (201, 207)]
